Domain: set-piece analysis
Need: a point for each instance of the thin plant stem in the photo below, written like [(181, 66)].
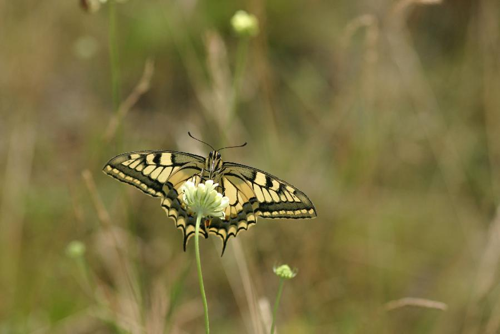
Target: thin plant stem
[(277, 303), (241, 59), (113, 56), (200, 274), (84, 272)]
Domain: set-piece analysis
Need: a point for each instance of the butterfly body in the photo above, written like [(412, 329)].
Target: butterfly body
[(213, 167), (251, 192)]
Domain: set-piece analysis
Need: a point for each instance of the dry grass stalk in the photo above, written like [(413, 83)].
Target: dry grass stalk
[(12, 211), (140, 89), (417, 302), (493, 324), (486, 278), (489, 37), (102, 213), (156, 315), (371, 24), (266, 313), (126, 303), (489, 42), (486, 273), (247, 285), (191, 61), (187, 312), (367, 21), (220, 90), (235, 264), (429, 115), (377, 313), (217, 64), (402, 8)]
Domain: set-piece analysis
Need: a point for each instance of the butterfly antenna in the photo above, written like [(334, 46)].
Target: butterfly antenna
[(237, 146), (201, 141)]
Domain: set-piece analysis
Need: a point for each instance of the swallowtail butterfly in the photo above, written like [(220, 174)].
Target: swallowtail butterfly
[(251, 192)]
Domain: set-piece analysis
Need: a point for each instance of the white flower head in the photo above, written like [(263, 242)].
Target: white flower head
[(203, 199), (245, 24)]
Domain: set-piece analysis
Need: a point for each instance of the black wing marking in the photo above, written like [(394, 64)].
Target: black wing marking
[(240, 214)]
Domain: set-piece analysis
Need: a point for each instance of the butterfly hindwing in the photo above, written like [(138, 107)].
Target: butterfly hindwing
[(174, 207), (239, 215), (276, 198)]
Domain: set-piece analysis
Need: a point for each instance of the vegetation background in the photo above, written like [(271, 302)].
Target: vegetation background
[(386, 113)]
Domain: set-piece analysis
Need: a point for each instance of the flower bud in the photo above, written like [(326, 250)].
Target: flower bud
[(244, 24), (75, 249), (284, 271)]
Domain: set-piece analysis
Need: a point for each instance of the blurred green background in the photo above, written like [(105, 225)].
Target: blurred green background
[(386, 113)]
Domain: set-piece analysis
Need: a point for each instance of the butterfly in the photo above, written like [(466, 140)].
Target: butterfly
[(251, 192)]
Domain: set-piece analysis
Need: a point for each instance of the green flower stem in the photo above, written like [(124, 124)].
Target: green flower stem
[(276, 304), (84, 272), (200, 275), (113, 56), (241, 59)]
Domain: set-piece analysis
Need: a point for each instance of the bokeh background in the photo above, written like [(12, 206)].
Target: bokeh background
[(386, 113)]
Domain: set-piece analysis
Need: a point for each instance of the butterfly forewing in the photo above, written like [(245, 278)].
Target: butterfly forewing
[(276, 198), (149, 170)]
